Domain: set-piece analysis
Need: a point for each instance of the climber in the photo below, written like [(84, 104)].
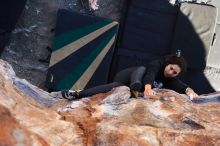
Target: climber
[(160, 73)]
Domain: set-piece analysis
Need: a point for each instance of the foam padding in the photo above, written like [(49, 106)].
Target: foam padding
[(82, 51)]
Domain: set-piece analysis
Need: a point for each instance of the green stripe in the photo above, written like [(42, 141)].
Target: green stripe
[(64, 39), (75, 74)]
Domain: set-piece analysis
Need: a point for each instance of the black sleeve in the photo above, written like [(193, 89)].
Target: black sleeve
[(151, 71), (177, 85)]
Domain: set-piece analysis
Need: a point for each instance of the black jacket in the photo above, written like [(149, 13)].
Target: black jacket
[(154, 72)]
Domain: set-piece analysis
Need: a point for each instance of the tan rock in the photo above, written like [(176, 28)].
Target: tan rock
[(31, 116)]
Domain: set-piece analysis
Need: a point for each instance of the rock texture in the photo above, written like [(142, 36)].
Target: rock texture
[(30, 116)]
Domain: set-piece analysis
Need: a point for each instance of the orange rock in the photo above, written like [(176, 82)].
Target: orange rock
[(31, 116)]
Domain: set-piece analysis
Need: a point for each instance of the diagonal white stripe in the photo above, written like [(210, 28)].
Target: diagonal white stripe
[(86, 76), (62, 53)]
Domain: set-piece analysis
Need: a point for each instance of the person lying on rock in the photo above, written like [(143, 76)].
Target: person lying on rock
[(161, 73)]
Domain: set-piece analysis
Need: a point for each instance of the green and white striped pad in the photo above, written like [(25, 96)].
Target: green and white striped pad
[(82, 51)]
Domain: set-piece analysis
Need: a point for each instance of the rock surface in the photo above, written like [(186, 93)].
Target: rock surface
[(30, 116)]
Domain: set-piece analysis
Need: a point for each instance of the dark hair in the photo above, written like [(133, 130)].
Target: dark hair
[(180, 61)]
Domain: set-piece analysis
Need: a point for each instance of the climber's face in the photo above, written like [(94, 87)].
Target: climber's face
[(171, 70)]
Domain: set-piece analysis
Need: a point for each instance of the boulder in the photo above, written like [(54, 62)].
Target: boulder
[(31, 116)]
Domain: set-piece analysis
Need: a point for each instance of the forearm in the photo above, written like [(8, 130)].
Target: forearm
[(177, 85), (151, 72)]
